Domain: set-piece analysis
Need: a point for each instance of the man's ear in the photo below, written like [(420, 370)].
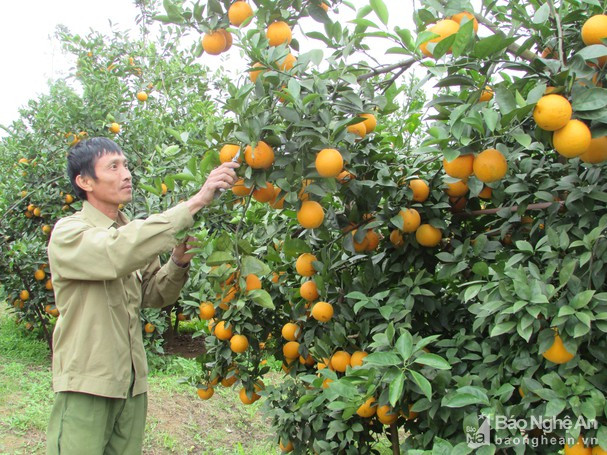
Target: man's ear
[(84, 182)]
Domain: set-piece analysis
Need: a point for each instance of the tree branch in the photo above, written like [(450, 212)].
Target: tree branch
[(404, 65)]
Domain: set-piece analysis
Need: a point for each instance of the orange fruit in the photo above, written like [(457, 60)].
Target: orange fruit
[(248, 398), (464, 17), (594, 29), (264, 194), (288, 447), (420, 189), (396, 238), (37, 211), (228, 37), (207, 311), (253, 282), (573, 139), (31, 207), (205, 392), (149, 327), (261, 157), (228, 152), (578, 448), (460, 167), (356, 360), (345, 176), (222, 332), (386, 415), (304, 266), (163, 189), (279, 33), (323, 5), (214, 42), (309, 291), (457, 189), (239, 12), (69, 198), (370, 122), (552, 112), (368, 408), (253, 75), (291, 350), (485, 193), (597, 450), (291, 331), (340, 360), (372, 239), (287, 63), (444, 29), (142, 96), (361, 246), (275, 202), (411, 220), (326, 382), (115, 128), (48, 285), (39, 275), (427, 235), (46, 229), (490, 165), (557, 353), (24, 295), (457, 203), (239, 343), (596, 152), (358, 129), (310, 215), (322, 311), (239, 189), (229, 381), (329, 163), (486, 94)]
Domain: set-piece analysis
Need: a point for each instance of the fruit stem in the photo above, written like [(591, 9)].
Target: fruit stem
[(394, 439)]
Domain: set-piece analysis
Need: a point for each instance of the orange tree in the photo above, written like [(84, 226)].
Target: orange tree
[(414, 273), (149, 98)]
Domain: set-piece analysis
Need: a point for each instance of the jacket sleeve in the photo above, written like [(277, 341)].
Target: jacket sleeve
[(78, 251), (161, 285)]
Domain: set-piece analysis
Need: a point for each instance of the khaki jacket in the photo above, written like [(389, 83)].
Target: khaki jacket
[(103, 272)]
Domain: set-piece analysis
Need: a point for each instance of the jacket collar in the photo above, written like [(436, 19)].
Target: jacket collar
[(99, 219)]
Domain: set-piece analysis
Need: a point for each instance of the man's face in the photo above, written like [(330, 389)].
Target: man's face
[(114, 184)]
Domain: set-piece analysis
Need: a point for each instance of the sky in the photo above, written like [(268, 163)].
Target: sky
[(31, 56)]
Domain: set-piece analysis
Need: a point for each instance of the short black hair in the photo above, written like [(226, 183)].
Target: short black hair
[(83, 156)]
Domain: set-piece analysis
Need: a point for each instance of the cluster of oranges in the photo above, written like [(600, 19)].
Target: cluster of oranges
[(220, 40), (445, 28)]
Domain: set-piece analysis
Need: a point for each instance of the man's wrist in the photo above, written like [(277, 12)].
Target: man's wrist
[(179, 264)]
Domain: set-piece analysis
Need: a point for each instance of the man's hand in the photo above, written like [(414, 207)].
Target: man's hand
[(223, 176), (180, 255)]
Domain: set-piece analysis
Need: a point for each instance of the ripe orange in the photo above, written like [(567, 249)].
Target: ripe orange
[(291, 331), (370, 122), (205, 392), (357, 358), (207, 311), (228, 37), (386, 415), (239, 189), (39, 275), (411, 220), (228, 152), (253, 75), (358, 128), (322, 311), (486, 94), (149, 327), (37, 211), (142, 96), (115, 128), (372, 239), (578, 448), (163, 189), (427, 235), (594, 29), (444, 29), (291, 350), (69, 198), (222, 332), (248, 398), (309, 291), (420, 189), (597, 450), (46, 229), (279, 33), (229, 381), (552, 112), (361, 246), (345, 176), (460, 167), (275, 202), (340, 360), (239, 343), (596, 152), (465, 16), (557, 353), (329, 163), (396, 238), (485, 193), (323, 5), (368, 408), (288, 447), (31, 207), (24, 295), (261, 157), (490, 165), (239, 12), (310, 215), (326, 383), (304, 266), (457, 203), (573, 139), (253, 282), (457, 189), (264, 194), (48, 285), (287, 63), (214, 42)]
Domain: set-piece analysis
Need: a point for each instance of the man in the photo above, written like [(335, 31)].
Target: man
[(104, 269)]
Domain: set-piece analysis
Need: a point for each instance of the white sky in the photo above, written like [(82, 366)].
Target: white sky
[(31, 57)]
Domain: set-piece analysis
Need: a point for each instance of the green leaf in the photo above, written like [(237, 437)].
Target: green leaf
[(504, 327), (590, 100), (433, 360), (381, 10), (582, 299), (491, 45), (396, 388), (294, 247), (542, 14), (555, 407), (422, 383), (404, 345), (459, 400), (525, 246), (383, 359), (250, 264), (261, 298), (220, 257)]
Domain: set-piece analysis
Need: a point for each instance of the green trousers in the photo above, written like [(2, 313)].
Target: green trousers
[(88, 424)]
